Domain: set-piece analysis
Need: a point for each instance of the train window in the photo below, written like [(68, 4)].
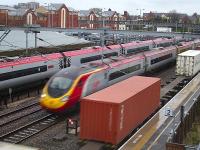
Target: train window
[(136, 50), (60, 83), (123, 72), (80, 83), (58, 86), (131, 51), (105, 75), (164, 44), (110, 54), (115, 75), (131, 69), (21, 73), (89, 59), (158, 59), (97, 57)]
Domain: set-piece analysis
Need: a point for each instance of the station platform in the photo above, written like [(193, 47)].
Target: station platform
[(154, 134), (8, 146)]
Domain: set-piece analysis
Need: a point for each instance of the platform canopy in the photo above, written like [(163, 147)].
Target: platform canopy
[(17, 40)]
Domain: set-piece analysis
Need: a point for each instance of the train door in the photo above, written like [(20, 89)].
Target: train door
[(122, 50), (64, 62)]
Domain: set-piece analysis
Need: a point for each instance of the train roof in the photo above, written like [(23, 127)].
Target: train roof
[(125, 60), (137, 43), (75, 71), (90, 50), (186, 43), (29, 60), (162, 40), (156, 52)]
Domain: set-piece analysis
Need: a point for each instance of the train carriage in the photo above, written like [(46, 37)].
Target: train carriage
[(184, 46), (29, 69), (164, 42), (136, 47), (84, 56), (57, 61), (126, 68), (93, 77), (158, 58)]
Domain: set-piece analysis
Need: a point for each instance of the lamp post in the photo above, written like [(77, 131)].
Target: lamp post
[(72, 18), (48, 14), (140, 12), (6, 18), (140, 17), (103, 38), (52, 18)]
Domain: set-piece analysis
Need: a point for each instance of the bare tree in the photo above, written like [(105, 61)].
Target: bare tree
[(186, 19), (195, 18), (150, 17), (174, 17), (96, 10)]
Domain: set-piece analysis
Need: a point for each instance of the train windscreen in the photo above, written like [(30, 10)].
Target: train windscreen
[(58, 86)]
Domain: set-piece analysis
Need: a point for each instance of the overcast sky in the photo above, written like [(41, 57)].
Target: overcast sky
[(183, 6)]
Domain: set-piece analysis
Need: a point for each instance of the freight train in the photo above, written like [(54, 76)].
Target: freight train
[(25, 70), (69, 85)]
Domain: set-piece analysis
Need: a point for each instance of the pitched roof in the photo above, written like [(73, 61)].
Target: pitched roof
[(16, 40), (6, 7), (55, 6), (84, 13), (108, 13), (71, 9), (18, 12)]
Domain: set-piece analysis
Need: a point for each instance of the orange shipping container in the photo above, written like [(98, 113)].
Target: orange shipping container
[(112, 113)]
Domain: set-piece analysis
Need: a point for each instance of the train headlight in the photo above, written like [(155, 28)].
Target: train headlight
[(43, 95), (65, 98)]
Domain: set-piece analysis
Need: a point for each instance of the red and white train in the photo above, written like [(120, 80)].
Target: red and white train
[(68, 86), (30, 69)]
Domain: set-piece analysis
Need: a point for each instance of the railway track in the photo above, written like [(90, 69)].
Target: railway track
[(22, 133), (6, 114), (19, 120)]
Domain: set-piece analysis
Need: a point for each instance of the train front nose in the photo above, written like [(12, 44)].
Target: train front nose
[(54, 96), (50, 103)]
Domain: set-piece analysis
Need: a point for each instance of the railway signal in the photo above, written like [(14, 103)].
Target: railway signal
[(72, 125)]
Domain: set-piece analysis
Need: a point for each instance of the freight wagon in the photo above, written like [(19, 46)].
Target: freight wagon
[(112, 113), (188, 63)]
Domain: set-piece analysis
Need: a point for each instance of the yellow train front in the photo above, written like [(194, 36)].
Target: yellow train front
[(63, 90)]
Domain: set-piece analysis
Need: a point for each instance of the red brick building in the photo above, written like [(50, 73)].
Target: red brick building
[(111, 19), (88, 19), (93, 20), (54, 15)]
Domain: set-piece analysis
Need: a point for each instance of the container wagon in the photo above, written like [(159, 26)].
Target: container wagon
[(188, 63), (113, 113)]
